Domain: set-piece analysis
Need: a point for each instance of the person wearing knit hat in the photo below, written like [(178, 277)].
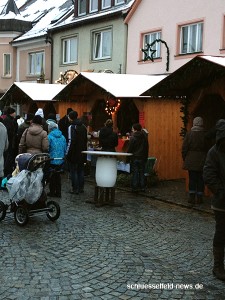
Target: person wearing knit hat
[(57, 149), (51, 126), (39, 112), (194, 150), (51, 118)]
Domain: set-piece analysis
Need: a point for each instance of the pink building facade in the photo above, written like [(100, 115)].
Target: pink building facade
[(183, 29)]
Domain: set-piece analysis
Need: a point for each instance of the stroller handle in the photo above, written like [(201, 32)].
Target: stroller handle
[(38, 165)]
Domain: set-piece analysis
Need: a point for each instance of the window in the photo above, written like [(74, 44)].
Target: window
[(93, 5), (82, 4), (102, 44), (119, 2), (191, 38), (106, 3), (69, 50), (150, 38), (36, 63), (7, 64)]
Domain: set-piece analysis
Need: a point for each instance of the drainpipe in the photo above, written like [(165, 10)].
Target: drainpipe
[(51, 60), (18, 108), (49, 40)]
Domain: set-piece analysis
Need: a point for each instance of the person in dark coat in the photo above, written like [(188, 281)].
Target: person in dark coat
[(139, 147), (3, 147), (64, 123), (194, 150), (214, 178), (108, 139), (12, 127), (24, 125), (40, 113), (77, 142)]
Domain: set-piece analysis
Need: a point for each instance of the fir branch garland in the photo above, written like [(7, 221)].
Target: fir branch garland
[(185, 102)]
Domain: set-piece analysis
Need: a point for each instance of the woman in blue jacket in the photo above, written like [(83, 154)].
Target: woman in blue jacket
[(57, 149)]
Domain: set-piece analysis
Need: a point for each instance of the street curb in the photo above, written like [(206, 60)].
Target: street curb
[(199, 209)]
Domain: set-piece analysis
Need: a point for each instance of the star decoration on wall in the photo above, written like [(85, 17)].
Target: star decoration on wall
[(148, 50)]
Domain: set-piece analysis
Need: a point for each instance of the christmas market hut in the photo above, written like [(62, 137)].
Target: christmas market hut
[(100, 96), (195, 89), (30, 96)]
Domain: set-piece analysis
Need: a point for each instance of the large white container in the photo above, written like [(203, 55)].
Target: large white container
[(106, 171)]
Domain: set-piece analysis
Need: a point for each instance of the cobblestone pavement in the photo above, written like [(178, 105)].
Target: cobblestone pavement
[(146, 249)]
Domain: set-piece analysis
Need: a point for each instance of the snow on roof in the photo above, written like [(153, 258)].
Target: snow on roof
[(220, 60), (43, 12), (123, 85), (72, 20), (37, 91), (12, 15), (46, 11), (197, 74)]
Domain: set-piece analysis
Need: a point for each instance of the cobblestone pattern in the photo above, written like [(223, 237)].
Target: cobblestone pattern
[(96, 253)]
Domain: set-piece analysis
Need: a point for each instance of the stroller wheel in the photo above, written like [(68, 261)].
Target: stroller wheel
[(21, 215), (54, 210), (2, 211)]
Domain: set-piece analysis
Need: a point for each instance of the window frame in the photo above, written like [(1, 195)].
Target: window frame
[(156, 46), (5, 67), (118, 2), (66, 42), (106, 6), (198, 47), (90, 4), (31, 62), (79, 7), (95, 35)]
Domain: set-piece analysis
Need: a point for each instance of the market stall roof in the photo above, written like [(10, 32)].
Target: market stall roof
[(20, 92), (117, 85), (199, 72)]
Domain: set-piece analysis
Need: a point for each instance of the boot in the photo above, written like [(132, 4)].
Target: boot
[(218, 268), (191, 199)]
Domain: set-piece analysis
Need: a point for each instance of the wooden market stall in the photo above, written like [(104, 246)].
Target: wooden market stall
[(100, 96), (31, 96), (195, 89)]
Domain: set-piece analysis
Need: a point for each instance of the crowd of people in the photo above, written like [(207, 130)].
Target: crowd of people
[(64, 139), (38, 134), (67, 139)]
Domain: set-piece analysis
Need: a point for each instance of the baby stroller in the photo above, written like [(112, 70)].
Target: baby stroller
[(27, 196)]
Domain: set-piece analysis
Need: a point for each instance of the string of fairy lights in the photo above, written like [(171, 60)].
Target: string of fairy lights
[(112, 105)]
